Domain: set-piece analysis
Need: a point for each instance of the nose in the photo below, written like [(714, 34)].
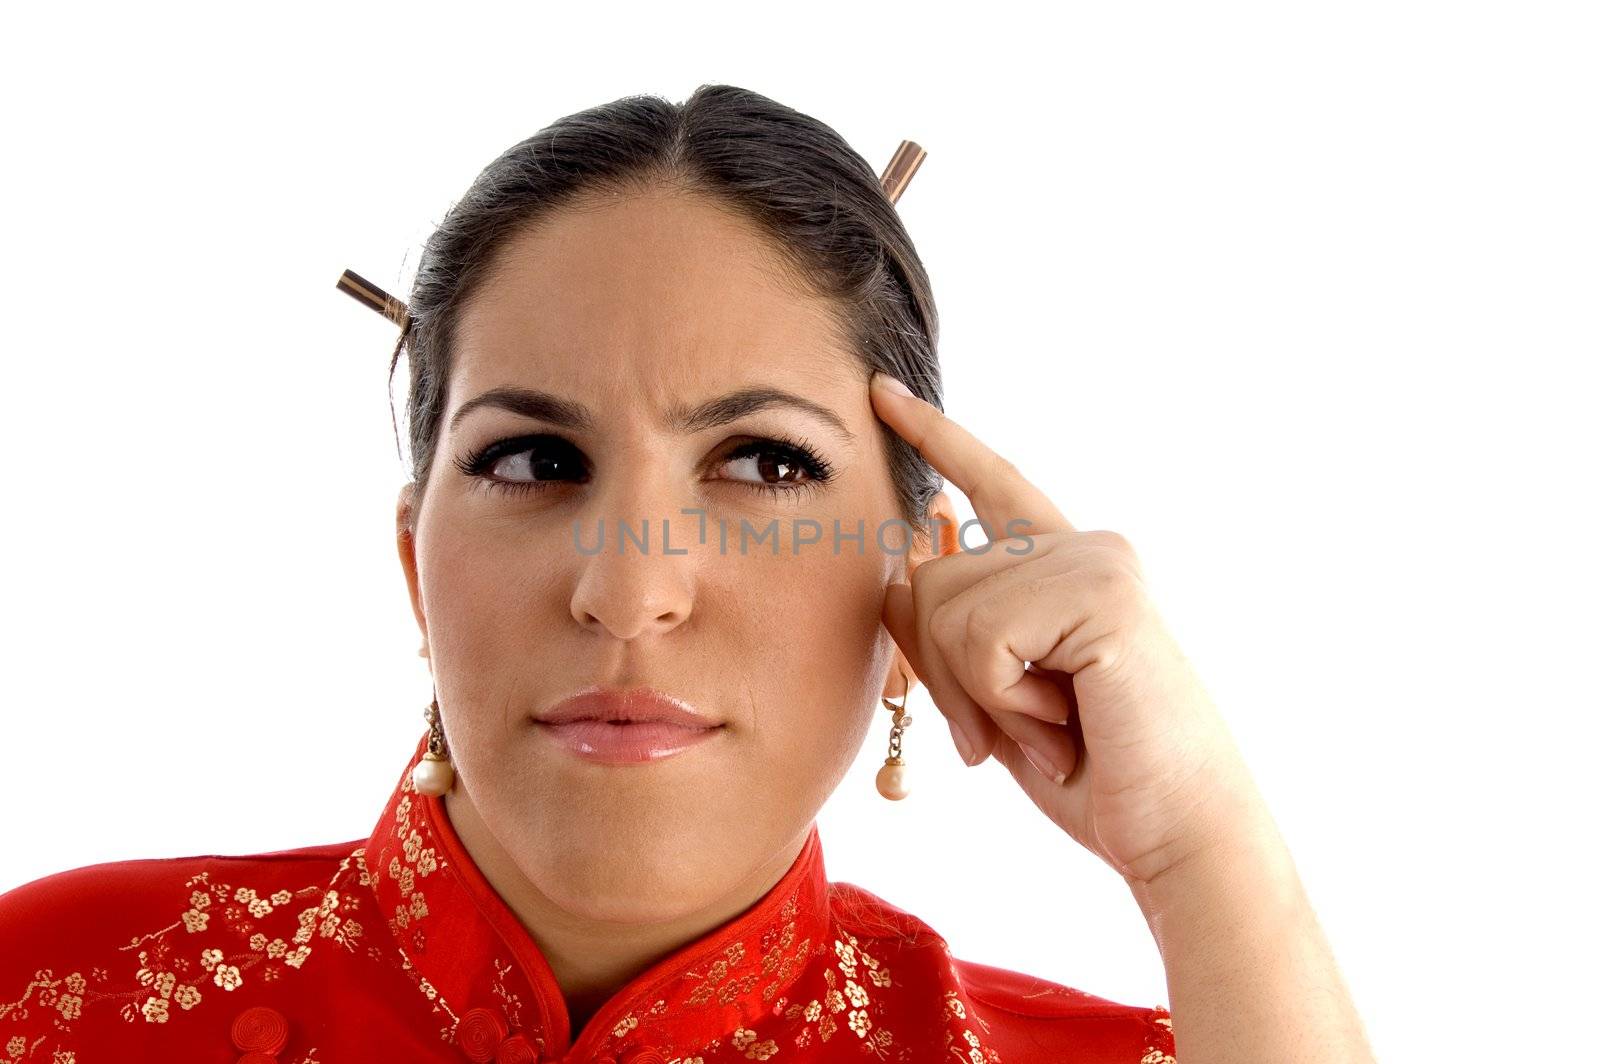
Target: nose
[(628, 584)]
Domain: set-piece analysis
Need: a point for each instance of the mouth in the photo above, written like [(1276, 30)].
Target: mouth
[(626, 742), (631, 707), (612, 726)]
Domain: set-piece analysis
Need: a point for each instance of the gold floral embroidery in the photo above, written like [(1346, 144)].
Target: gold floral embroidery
[(64, 997), (174, 980), (512, 1002), (1157, 1054), (846, 1005), (168, 983), (417, 859), (420, 861), (745, 1039), (732, 977), (960, 1041)]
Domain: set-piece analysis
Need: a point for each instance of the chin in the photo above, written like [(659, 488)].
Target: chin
[(631, 878)]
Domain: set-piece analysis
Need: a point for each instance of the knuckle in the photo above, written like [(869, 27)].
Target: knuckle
[(946, 627), (1113, 541), (1106, 649), (986, 623), (1094, 576), (1111, 578), (1116, 558)]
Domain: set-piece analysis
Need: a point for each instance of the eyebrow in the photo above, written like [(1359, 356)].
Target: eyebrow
[(564, 413)]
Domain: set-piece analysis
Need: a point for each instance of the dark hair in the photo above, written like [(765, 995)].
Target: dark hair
[(820, 204)]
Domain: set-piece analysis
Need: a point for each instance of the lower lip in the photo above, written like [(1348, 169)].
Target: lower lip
[(626, 744)]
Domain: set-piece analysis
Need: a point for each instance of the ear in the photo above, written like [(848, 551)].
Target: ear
[(901, 677), (405, 541), (943, 534), (943, 540)]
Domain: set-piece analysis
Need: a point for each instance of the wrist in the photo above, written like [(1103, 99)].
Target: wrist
[(1240, 943), (1237, 858)]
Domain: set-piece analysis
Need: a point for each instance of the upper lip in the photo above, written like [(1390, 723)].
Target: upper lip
[(632, 705)]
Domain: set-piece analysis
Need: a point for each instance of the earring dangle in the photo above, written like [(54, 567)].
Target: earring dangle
[(434, 775), (892, 776)]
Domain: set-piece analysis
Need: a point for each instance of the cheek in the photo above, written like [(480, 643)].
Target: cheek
[(812, 640), (479, 591)]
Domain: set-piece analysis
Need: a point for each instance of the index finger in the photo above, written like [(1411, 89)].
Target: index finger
[(999, 492)]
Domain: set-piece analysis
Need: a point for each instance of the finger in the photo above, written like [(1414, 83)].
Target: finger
[(1005, 501), (993, 629), (985, 614), (1058, 745), (1061, 744), (1063, 680), (900, 617), (1054, 763)]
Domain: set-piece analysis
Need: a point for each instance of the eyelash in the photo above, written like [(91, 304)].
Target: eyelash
[(795, 451)]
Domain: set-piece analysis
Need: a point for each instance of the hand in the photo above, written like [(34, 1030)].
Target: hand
[(1059, 648)]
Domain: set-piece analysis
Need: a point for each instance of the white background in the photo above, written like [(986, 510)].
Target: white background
[(1300, 299)]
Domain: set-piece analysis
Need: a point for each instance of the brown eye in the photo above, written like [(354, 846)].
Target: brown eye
[(534, 463), (769, 467), (773, 465), (526, 463)]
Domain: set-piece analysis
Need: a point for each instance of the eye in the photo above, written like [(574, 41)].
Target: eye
[(781, 467), (778, 466), (525, 463)]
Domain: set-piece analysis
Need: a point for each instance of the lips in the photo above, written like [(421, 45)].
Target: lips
[(623, 727), (626, 744), (633, 706)]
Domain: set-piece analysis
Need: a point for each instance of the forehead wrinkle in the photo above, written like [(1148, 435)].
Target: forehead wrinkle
[(539, 405), (787, 305)]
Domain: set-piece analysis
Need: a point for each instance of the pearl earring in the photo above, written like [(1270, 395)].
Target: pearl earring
[(434, 775), (892, 776)]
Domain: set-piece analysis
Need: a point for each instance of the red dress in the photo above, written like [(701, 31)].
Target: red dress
[(394, 948)]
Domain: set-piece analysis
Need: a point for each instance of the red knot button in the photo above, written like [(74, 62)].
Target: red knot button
[(480, 1033), (260, 1029), (516, 1050)]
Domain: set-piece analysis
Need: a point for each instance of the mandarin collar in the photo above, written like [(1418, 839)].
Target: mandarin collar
[(493, 992)]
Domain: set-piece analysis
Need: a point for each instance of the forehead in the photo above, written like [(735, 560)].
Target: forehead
[(660, 292)]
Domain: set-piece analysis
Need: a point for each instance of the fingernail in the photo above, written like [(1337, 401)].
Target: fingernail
[(1037, 759), (894, 384), (963, 744)]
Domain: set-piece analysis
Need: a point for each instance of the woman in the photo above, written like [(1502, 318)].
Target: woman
[(662, 457)]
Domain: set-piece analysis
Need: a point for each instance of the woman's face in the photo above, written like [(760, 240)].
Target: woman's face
[(637, 310)]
